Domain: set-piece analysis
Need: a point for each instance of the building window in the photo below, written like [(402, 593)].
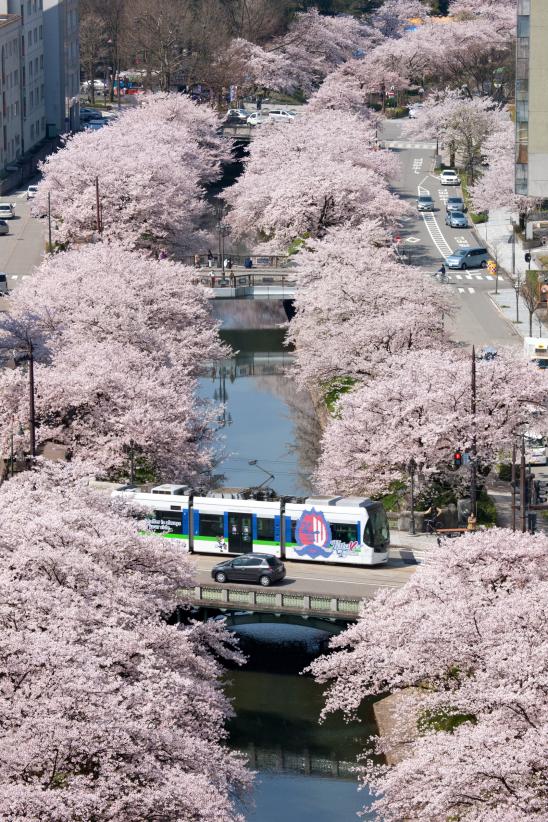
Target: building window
[(524, 7), (41, 32)]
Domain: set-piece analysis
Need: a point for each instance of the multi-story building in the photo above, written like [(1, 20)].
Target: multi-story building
[(10, 77), (62, 65), (532, 99), (31, 69)]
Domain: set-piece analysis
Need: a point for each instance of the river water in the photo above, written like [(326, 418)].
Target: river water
[(304, 769)]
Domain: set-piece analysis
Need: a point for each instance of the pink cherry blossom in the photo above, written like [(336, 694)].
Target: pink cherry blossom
[(467, 632), (108, 712), (151, 163)]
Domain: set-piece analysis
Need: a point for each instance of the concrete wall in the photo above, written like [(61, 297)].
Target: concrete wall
[(10, 109)]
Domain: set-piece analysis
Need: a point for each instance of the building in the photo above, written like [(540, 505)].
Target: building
[(10, 67), (62, 65), (532, 99)]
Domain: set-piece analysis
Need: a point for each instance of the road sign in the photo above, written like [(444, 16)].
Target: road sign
[(492, 268)]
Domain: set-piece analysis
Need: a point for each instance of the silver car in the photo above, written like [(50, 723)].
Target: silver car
[(456, 219), (4, 227), (455, 204), (425, 203), (464, 258)]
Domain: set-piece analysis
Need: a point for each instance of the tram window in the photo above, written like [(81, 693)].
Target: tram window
[(376, 529), (343, 531), (169, 516), (211, 525), (265, 528)]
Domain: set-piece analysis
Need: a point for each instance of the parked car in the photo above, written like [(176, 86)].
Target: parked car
[(456, 219), (240, 114), (4, 227), (95, 125), (425, 203), (89, 114), (31, 192), (465, 258), (282, 115), (449, 177), (7, 211), (255, 119), (262, 568), (4, 284), (455, 204)]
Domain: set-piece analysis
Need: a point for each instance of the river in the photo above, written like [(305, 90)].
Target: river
[(304, 769)]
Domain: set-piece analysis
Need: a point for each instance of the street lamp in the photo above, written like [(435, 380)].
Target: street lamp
[(411, 468)]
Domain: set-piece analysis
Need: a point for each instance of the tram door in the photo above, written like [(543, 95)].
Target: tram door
[(240, 537)]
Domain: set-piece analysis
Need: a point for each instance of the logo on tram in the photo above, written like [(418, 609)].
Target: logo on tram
[(313, 535)]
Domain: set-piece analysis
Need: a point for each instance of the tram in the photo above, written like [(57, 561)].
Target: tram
[(341, 530)]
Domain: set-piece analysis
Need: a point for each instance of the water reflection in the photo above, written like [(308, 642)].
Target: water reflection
[(305, 769), (265, 417)]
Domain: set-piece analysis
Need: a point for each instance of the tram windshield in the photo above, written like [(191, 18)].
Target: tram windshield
[(376, 533)]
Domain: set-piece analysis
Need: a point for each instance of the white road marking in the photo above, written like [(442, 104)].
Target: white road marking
[(458, 276), (461, 290), (375, 582), (14, 276), (412, 240), (468, 276), (408, 144), (26, 276), (436, 234), (472, 290), (417, 165)]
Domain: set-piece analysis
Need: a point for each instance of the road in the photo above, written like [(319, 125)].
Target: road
[(323, 579), (428, 241), (22, 249)]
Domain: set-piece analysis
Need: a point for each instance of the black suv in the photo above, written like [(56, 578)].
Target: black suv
[(262, 568)]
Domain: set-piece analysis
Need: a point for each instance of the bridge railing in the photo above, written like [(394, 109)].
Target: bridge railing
[(259, 599), (233, 279), (258, 260)]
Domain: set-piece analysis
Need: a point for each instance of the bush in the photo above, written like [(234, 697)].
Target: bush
[(334, 389), (487, 513)]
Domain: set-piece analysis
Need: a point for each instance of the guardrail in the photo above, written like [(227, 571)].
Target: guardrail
[(259, 599), (235, 279)]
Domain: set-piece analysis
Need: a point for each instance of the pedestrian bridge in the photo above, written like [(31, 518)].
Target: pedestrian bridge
[(244, 284)]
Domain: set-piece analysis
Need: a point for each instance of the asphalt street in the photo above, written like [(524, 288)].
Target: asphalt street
[(22, 249), (427, 241), (321, 579)]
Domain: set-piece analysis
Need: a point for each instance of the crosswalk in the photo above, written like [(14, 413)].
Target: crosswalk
[(422, 146), (18, 276)]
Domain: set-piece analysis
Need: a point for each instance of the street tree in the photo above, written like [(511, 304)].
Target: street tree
[(315, 173), (496, 186), (357, 304), (464, 644), (93, 47), (151, 325), (418, 405), (461, 123), (109, 713), (139, 181)]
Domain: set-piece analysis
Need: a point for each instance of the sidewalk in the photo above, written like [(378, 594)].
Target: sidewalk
[(411, 549), (496, 233)]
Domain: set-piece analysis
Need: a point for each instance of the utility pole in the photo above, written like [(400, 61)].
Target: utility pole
[(49, 223), (522, 485), (411, 467), (473, 461), (98, 207), (32, 421), (132, 462), (513, 477)]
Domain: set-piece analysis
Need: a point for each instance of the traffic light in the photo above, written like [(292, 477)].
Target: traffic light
[(527, 257), (457, 459), (541, 491)]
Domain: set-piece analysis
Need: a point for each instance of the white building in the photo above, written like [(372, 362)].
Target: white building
[(31, 69), (62, 65), (10, 68)]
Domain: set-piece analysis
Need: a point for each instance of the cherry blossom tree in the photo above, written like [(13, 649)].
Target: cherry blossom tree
[(304, 177), (103, 292), (316, 44), (357, 304), (393, 17), (467, 635), (119, 341), (249, 66), (496, 186), (418, 405), (151, 164), (462, 124), (109, 713)]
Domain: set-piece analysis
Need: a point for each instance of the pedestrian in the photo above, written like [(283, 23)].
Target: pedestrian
[(209, 258), (248, 262), (197, 261), (226, 262), (229, 266)]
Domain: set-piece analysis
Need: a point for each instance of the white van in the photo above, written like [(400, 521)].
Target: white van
[(7, 211)]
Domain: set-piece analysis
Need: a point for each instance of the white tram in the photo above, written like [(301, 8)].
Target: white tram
[(345, 530)]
